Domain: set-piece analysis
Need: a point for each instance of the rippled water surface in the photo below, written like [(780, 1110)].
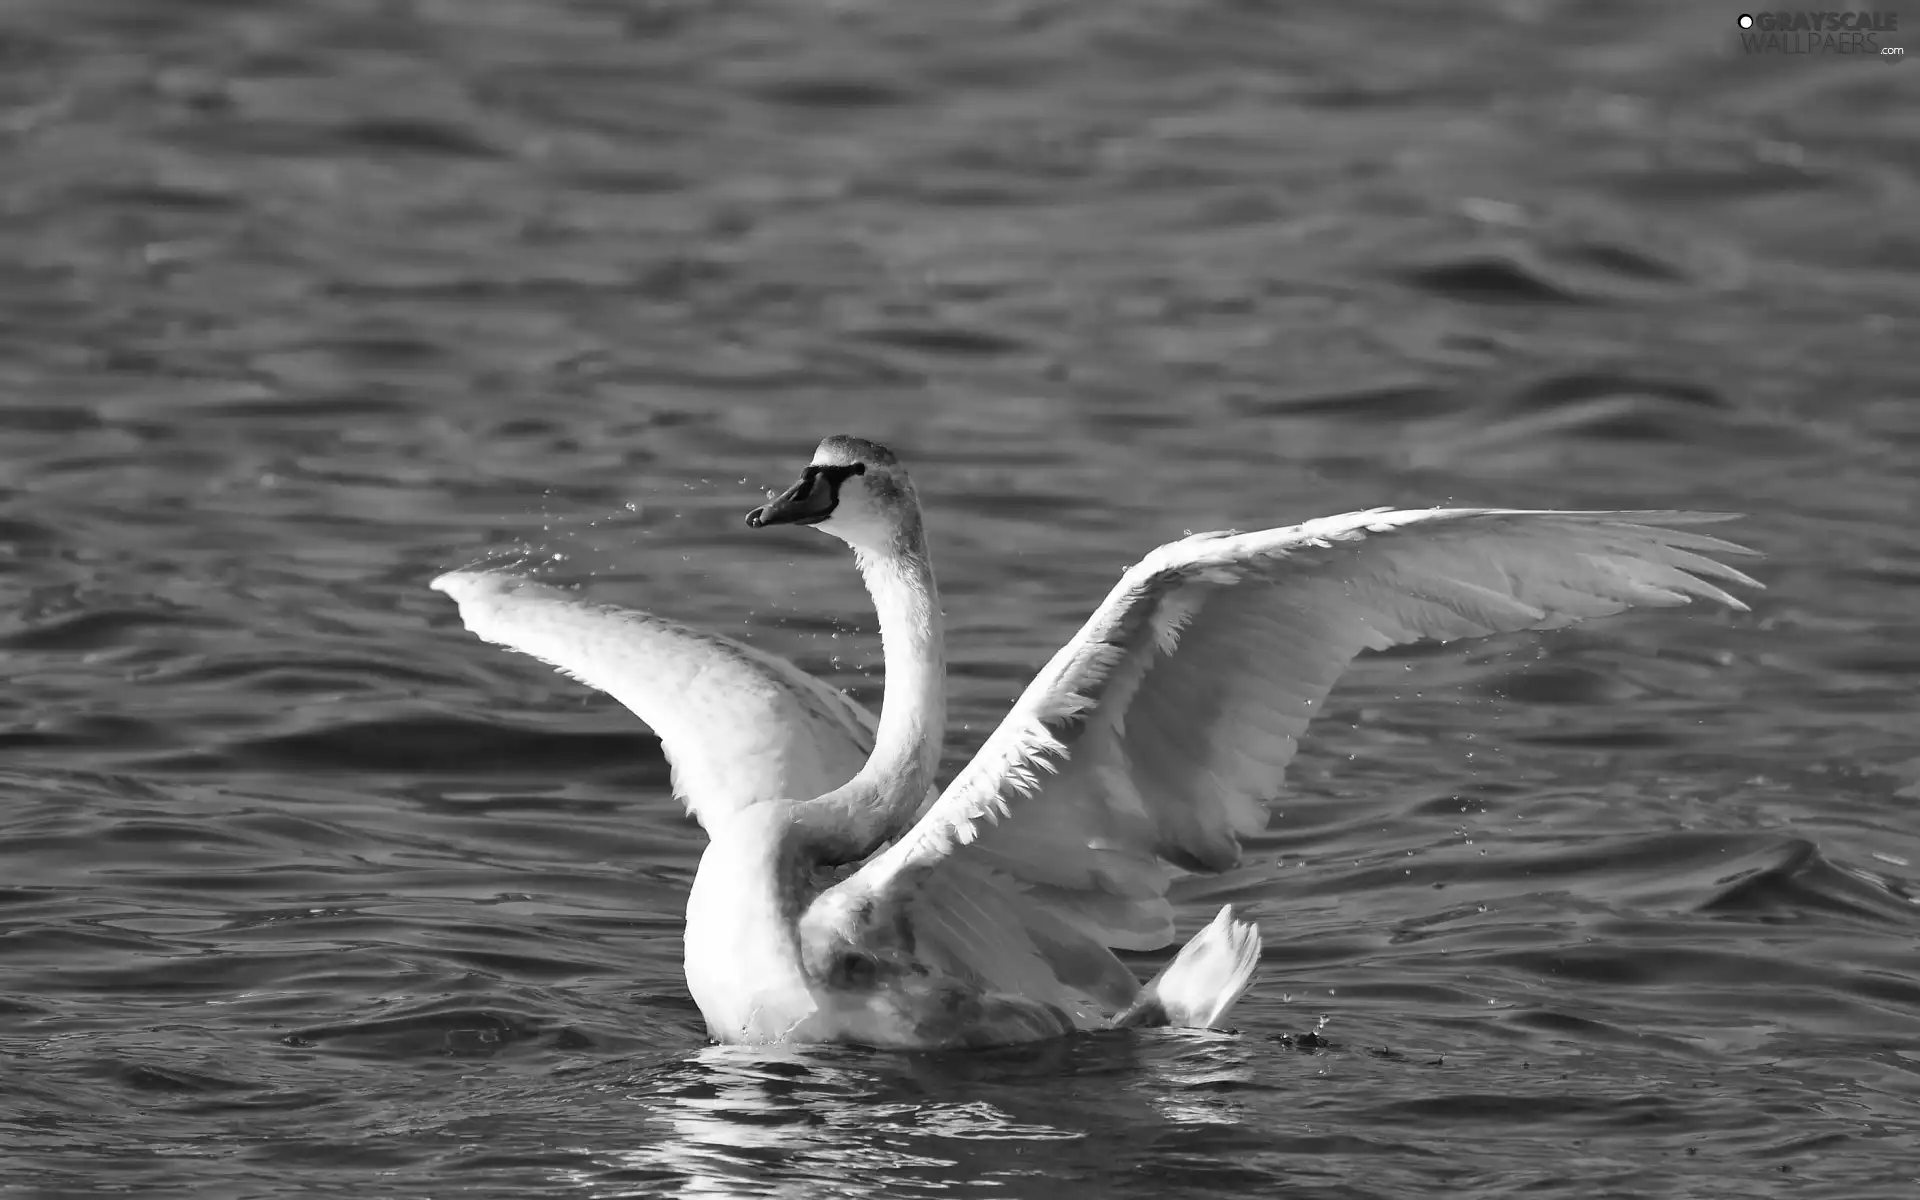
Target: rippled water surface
[(303, 891)]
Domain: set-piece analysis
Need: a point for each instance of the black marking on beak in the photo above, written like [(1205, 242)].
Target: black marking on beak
[(808, 502)]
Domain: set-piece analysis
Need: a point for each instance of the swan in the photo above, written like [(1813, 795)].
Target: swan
[(843, 898)]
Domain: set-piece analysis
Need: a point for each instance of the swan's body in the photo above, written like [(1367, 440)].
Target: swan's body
[(840, 899)]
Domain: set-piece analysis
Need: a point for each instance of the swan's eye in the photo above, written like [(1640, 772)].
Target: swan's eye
[(833, 477), (838, 475)]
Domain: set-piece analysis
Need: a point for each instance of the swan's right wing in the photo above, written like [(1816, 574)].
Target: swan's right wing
[(737, 724), (1153, 738)]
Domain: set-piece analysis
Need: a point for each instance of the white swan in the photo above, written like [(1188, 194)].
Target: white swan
[(839, 899)]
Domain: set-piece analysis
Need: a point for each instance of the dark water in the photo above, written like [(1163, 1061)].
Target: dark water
[(305, 892)]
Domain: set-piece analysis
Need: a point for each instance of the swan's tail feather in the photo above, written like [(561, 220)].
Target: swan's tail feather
[(1201, 983)]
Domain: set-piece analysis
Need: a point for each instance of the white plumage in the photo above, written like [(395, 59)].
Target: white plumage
[(738, 724), (1149, 744)]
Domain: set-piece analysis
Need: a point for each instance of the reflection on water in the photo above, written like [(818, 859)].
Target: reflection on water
[(731, 1116), (816, 1121)]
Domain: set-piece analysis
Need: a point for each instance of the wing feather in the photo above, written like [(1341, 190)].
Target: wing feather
[(737, 724), (1153, 739)]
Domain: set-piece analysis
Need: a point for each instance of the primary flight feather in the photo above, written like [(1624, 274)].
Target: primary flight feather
[(1149, 744)]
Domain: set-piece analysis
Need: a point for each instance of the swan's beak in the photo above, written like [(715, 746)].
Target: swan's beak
[(805, 503)]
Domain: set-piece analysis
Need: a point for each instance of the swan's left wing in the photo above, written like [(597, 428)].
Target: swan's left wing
[(1154, 737), (737, 724)]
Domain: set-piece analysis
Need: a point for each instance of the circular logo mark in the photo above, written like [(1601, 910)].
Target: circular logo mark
[(1745, 21)]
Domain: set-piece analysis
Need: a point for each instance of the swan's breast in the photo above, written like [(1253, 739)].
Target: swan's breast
[(742, 955)]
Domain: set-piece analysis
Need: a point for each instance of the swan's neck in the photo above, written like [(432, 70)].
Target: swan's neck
[(859, 817)]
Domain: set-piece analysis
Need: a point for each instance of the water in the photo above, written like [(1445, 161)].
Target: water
[(305, 892)]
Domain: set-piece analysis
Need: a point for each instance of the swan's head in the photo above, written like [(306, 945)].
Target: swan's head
[(855, 490)]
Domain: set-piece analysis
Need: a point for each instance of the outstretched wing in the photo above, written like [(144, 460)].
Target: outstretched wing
[(1155, 736), (737, 724)]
